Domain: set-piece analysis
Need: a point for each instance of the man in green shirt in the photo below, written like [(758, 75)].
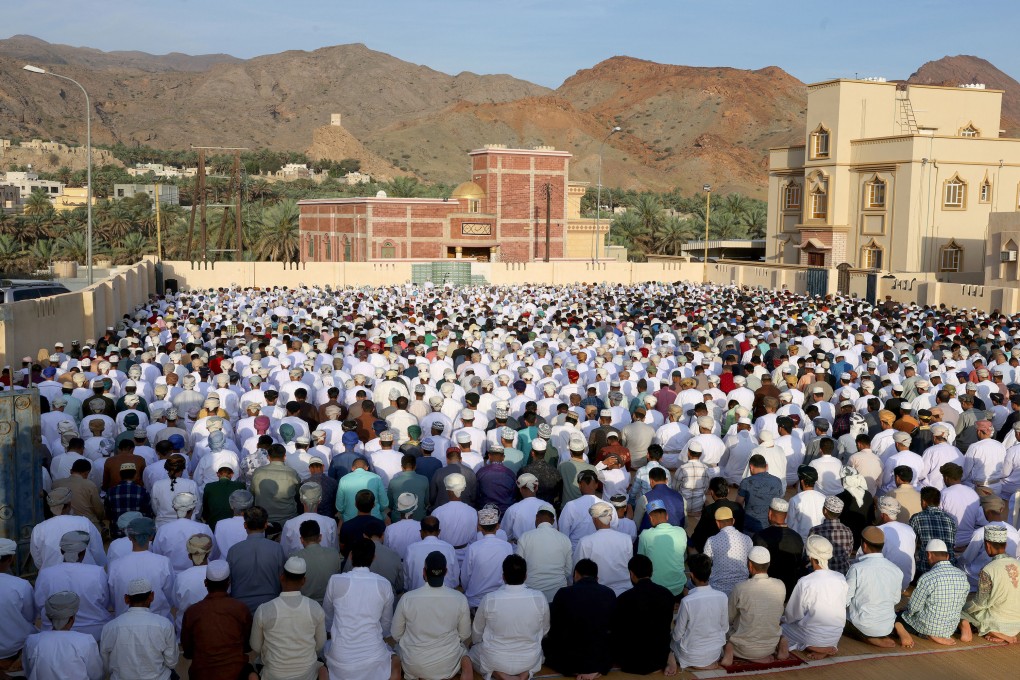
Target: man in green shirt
[(357, 479), (216, 497), (408, 481), (665, 545)]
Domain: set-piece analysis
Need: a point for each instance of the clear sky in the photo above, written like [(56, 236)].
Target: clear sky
[(545, 41)]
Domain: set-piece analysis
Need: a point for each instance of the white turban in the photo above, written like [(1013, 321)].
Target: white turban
[(855, 483), (60, 607), (819, 548), (184, 503), (602, 511)]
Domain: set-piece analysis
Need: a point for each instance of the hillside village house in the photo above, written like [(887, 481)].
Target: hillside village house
[(497, 215), (893, 177)]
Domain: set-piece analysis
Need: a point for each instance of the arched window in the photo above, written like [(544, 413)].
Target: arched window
[(970, 131), (985, 193), (819, 203), (951, 257), (871, 256), (876, 193), (820, 143), (347, 249), (388, 251), (791, 196), (954, 195)]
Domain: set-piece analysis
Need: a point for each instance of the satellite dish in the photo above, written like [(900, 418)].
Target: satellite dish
[(380, 194)]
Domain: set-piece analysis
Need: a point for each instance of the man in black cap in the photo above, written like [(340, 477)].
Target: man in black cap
[(431, 625)]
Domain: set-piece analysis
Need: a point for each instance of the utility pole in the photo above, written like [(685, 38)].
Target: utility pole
[(708, 211), (159, 231), (548, 206)]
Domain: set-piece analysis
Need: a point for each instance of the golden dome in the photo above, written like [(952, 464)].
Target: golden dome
[(468, 190)]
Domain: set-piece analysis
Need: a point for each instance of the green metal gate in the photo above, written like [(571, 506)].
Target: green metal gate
[(442, 273)]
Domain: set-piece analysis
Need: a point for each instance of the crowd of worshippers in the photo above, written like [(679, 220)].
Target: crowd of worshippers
[(436, 482)]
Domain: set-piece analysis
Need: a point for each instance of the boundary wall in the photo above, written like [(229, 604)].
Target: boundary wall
[(29, 326)]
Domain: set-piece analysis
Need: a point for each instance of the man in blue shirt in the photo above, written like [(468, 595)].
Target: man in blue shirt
[(659, 491), (756, 493), (350, 484)]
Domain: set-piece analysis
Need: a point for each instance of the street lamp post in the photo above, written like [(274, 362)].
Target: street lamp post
[(708, 211), (88, 151), (598, 196)]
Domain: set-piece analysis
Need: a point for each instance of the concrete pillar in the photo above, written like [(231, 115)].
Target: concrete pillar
[(460, 252), (492, 253)]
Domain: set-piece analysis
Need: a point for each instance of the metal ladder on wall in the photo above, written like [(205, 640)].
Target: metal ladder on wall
[(907, 112)]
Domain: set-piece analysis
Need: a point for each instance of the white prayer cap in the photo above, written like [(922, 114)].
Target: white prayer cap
[(296, 566), (706, 422), (759, 554), (138, 586), (217, 570), (937, 546), (7, 547)]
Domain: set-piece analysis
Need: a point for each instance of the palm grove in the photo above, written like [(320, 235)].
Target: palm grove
[(125, 229)]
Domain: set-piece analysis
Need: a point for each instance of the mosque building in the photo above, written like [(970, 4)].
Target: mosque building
[(500, 214)]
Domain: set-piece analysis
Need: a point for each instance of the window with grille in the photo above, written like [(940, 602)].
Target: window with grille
[(956, 193), (876, 194), (871, 257), (969, 131), (819, 205), (820, 143), (950, 257), (986, 192), (791, 197)]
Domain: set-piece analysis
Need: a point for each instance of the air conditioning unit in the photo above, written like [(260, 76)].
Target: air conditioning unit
[(1007, 256)]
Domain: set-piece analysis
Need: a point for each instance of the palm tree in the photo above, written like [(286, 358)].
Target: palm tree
[(649, 211), (38, 203), (755, 220), (117, 223), (41, 254), (10, 252), (278, 232), (629, 231), (725, 226), (404, 187), (132, 248), (671, 237), (734, 204), (73, 247)]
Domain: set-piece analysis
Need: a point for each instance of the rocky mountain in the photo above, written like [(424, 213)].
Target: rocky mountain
[(963, 69), (681, 126)]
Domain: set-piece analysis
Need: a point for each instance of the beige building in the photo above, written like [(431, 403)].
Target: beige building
[(893, 177)]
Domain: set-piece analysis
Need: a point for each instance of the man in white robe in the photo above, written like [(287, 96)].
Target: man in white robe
[(59, 652), (509, 626), (87, 581), (359, 610), (816, 613)]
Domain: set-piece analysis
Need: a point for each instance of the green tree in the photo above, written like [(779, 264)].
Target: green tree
[(41, 254), (73, 247), (671, 237), (38, 203), (278, 234), (10, 253), (629, 231), (404, 187), (725, 226), (755, 220), (132, 248)]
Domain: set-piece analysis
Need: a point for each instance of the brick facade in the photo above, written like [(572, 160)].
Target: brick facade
[(507, 223)]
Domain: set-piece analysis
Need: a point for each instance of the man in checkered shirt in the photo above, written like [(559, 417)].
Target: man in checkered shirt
[(935, 605), (838, 534), (930, 524), (691, 480)]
